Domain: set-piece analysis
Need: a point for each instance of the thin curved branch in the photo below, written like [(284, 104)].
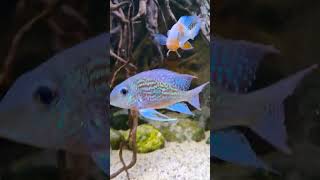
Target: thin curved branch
[(115, 30), (167, 3), (68, 10), (18, 37), (120, 16), (122, 60), (132, 134), (142, 9), (118, 5), (181, 7)]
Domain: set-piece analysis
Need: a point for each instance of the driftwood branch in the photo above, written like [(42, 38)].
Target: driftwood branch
[(123, 55), (122, 60), (142, 9), (6, 78), (132, 135), (117, 6), (167, 3)]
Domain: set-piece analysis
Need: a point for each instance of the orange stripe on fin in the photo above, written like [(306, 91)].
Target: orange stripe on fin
[(187, 46)]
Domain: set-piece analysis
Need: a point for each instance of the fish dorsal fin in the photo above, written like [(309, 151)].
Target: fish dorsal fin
[(188, 21), (180, 81)]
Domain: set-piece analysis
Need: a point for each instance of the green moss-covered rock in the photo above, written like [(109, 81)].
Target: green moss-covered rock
[(148, 138), (192, 130), (115, 138), (184, 129)]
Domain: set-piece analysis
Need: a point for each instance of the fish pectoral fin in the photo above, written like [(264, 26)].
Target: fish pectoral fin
[(180, 107), (155, 115), (178, 54), (160, 38), (168, 52), (175, 52), (187, 46)]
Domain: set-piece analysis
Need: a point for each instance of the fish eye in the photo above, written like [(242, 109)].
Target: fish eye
[(124, 91), (45, 95)]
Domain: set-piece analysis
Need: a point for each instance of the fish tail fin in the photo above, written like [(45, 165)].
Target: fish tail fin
[(269, 110), (160, 38), (194, 96)]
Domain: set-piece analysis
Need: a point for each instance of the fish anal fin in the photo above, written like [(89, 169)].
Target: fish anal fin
[(181, 108), (154, 115), (187, 46)]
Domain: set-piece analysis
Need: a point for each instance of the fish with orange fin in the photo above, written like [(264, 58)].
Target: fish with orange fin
[(186, 28)]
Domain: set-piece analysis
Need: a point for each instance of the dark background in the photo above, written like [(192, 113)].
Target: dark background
[(292, 27), (72, 22)]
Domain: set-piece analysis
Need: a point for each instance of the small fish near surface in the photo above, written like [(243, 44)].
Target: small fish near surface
[(186, 28), (233, 68), (61, 103), (157, 89)]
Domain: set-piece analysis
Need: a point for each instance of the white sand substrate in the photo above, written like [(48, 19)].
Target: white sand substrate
[(177, 161)]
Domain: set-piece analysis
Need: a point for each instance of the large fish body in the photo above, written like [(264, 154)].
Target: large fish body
[(185, 29), (61, 104), (155, 89), (261, 110), (233, 67)]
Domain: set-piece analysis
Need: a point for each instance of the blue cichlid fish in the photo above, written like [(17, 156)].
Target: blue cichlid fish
[(233, 68), (61, 104), (156, 89), (186, 28)]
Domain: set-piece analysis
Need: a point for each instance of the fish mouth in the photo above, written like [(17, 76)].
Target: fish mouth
[(111, 103), (114, 103)]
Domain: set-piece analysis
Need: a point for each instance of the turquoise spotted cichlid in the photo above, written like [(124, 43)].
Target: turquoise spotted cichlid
[(61, 104), (156, 89), (186, 28), (233, 67)]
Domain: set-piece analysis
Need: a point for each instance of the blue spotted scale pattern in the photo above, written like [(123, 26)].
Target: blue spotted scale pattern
[(153, 93), (87, 82), (180, 81)]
